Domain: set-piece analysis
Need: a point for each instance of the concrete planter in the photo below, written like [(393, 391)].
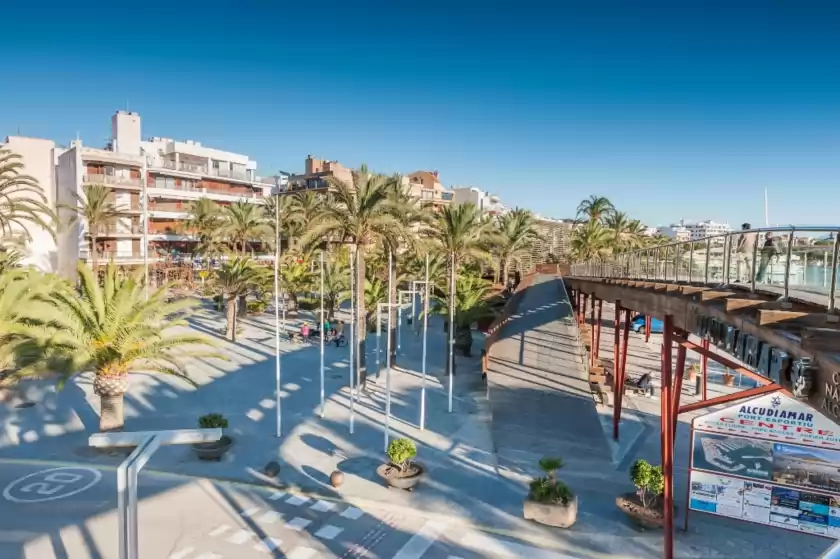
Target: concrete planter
[(643, 517), (557, 515), (405, 483), (213, 451)]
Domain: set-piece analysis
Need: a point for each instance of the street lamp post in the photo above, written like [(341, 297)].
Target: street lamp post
[(277, 251), (321, 328)]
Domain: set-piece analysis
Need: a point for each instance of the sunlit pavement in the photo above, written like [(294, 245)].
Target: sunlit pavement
[(69, 511)]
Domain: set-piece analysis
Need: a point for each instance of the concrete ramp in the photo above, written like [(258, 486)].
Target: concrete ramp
[(539, 393)]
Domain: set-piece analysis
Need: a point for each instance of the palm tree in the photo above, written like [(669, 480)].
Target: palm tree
[(516, 235), (96, 208), (589, 240), (461, 234), (471, 305), (9, 259), (204, 221), (288, 215), (296, 277), (336, 281), (376, 292), (22, 200), (111, 331), (309, 204), (362, 215), (234, 279), (243, 222), (595, 208)]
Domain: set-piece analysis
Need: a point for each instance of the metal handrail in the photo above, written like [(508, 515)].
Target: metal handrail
[(722, 262)]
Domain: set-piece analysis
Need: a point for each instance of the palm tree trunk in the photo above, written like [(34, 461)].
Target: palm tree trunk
[(242, 308), (93, 252), (111, 412), (231, 319), (361, 321), (502, 271)]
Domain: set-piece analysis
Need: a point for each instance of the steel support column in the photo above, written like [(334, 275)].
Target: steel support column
[(592, 349), (625, 343), (704, 368), (667, 439), (734, 397), (618, 380), (598, 332), (647, 328), (678, 381)]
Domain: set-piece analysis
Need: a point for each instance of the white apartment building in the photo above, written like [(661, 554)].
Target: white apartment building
[(38, 159), (486, 202), (703, 229), (153, 183), (676, 232)]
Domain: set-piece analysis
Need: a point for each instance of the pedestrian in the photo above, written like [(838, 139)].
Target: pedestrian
[(769, 251), (745, 249)]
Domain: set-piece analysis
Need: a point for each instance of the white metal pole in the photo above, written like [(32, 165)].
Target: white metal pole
[(388, 360), (352, 343), (378, 331), (413, 307), (451, 328), (144, 180), (321, 327), (277, 314), (399, 322), (425, 330)]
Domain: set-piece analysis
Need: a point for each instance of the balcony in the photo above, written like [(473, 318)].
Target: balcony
[(230, 174), (112, 180), (446, 196), (113, 229)]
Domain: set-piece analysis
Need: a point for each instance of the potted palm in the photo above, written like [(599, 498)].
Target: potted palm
[(644, 506), (401, 471), (109, 331), (216, 449), (691, 372), (549, 500)]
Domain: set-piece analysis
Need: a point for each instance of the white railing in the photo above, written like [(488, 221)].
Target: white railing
[(802, 258), (93, 178)]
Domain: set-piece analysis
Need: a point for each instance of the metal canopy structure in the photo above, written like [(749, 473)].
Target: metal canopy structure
[(672, 378)]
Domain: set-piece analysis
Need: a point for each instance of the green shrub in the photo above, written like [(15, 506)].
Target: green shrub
[(548, 489), (649, 481), (212, 420), (256, 306), (400, 452)]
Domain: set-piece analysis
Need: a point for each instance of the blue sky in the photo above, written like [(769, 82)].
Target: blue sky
[(670, 109)]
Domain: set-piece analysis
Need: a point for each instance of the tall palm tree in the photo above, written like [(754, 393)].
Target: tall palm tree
[(233, 280), (309, 204), (205, 217), (243, 222), (461, 235), (111, 331), (285, 219), (376, 292), (589, 240), (22, 200), (516, 235), (361, 214), (96, 208), (594, 208)]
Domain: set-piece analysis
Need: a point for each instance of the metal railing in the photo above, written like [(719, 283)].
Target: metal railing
[(93, 178), (133, 229), (779, 260)]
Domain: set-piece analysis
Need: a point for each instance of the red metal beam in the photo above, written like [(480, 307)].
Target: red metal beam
[(678, 381), (734, 397), (667, 438), (728, 363), (598, 332), (618, 381), (647, 328)]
